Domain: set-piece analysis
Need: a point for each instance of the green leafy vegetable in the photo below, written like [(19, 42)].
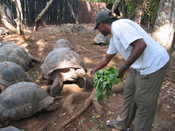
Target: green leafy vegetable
[(103, 81)]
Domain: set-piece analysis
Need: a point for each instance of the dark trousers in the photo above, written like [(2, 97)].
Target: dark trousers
[(141, 93)]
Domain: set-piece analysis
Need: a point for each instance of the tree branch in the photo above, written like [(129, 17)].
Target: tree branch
[(41, 14)]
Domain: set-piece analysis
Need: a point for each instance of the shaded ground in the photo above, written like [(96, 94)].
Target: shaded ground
[(42, 41)]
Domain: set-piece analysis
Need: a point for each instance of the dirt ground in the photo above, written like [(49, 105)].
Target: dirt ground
[(39, 44)]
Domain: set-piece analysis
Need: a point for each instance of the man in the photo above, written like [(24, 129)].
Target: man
[(148, 61)]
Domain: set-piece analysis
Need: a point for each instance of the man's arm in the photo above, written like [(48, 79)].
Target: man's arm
[(138, 48), (105, 60)]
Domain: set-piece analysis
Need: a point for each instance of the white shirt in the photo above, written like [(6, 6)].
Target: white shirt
[(124, 32)]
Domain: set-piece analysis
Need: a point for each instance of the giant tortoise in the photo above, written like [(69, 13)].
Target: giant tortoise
[(16, 54), (10, 128), (62, 65), (22, 100), (11, 73), (63, 43)]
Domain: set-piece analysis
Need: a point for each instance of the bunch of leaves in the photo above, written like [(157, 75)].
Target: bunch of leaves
[(103, 81)]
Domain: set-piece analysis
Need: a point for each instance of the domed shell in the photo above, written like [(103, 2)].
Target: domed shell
[(61, 58), (11, 73), (10, 128), (63, 43), (14, 53), (22, 100)]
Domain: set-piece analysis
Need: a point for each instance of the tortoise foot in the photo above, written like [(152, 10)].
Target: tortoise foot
[(81, 82), (55, 91), (85, 83)]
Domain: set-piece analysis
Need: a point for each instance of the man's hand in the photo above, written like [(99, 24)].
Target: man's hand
[(91, 71), (105, 60), (122, 71), (137, 50)]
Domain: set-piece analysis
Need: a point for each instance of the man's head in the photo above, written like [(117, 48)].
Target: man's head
[(104, 20)]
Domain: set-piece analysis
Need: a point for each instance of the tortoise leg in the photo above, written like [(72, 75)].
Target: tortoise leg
[(28, 78), (2, 88), (81, 82), (56, 87), (85, 82), (34, 61), (49, 82), (41, 77)]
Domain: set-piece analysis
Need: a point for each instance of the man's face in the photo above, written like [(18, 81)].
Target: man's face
[(103, 29)]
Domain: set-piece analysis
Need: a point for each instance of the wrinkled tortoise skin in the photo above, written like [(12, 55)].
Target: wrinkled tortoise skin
[(22, 100)]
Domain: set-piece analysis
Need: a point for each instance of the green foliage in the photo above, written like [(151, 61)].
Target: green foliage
[(131, 7), (150, 8), (103, 81), (150, 12)]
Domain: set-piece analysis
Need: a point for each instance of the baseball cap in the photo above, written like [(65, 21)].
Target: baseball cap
[(103, 16)]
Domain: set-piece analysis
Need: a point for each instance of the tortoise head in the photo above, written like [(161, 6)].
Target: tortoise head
[(81, 72)]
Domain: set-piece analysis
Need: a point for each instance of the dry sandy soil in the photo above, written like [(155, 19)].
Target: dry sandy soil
[(39, 43)]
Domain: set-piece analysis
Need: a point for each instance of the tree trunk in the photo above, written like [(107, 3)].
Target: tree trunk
[(123, 9), (173, 43), (19, 19), (139, 11), (164, 27), (6, 18), (120, 6), (114, 7), (72, 12)]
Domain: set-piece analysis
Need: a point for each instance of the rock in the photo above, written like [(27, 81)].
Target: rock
[(100, 39)]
